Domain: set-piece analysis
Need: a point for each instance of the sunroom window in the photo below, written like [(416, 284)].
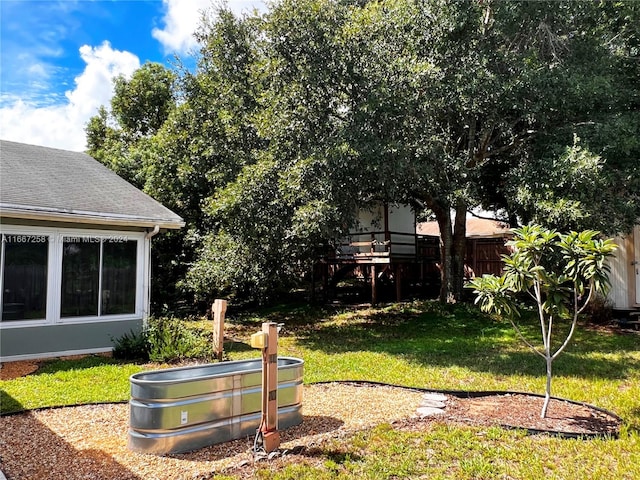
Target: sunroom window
[(118, 277), (98, 276), (23, 261)]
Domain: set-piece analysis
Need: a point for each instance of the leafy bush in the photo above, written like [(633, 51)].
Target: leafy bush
[(131, 346), (171, 341), (163, 340)]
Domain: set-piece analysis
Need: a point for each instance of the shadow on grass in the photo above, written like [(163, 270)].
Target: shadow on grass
[(634, 426), (461, 336), (339, 457), (8, 404), (293, 316), (68, 364), (237, 346)]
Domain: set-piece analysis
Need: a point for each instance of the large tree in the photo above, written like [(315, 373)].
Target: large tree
[(119, 136), (583, 170), (270, 223), (454, 104), (294, 117)]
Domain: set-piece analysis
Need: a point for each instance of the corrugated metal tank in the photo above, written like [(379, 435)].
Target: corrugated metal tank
[(183, 409)]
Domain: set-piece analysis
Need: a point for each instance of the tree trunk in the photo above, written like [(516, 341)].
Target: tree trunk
[(459, 249), (452, 249), (547, 393), (446, 273)]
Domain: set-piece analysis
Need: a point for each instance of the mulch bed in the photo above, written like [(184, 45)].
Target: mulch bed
[(523, 411), (12, 370)]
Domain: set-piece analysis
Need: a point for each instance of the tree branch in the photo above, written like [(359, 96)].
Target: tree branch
[(575, 319)]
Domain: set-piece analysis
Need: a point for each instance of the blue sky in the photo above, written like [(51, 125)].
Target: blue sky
[(58, 58)]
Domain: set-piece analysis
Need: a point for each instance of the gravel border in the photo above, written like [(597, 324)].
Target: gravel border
[(90, 442)]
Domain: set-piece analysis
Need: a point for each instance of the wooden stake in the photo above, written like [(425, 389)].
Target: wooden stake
[(374, 285), (271, 437), (219, 308)]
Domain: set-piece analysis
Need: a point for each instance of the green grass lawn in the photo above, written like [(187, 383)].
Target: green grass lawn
[(424, 345)]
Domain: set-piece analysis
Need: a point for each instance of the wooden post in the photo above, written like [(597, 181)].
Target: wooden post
[(374, 285), (219, 308), (399, 271), (271, 437)]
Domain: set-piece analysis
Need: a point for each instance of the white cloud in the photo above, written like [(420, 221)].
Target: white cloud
[(181, 21), (94, 87), (183, 17), (62, 126)]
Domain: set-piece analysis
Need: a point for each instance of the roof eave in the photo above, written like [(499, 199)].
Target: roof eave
[(94, 218)]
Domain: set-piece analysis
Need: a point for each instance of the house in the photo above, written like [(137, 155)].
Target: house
[(624, 294), (485, 243), (75, 254), (378, 256)]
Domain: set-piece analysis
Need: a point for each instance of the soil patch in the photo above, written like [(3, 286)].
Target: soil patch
[(523, 411), (11, 370)]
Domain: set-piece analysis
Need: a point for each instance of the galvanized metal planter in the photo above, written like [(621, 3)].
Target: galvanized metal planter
[(183, 409)]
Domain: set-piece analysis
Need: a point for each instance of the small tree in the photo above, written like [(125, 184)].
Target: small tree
[(561, 273)]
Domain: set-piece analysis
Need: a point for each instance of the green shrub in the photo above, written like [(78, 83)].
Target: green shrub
[(131, 346), (171, 341), (163, 340)]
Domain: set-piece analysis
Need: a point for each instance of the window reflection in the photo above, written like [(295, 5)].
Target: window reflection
[(118, 277), (80, 276), (98, 273), (24, 281)]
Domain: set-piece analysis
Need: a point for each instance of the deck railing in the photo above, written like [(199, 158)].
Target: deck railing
[(377, 244)]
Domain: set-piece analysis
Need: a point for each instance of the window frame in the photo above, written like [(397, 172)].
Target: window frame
[(30, 321), (56, 238)]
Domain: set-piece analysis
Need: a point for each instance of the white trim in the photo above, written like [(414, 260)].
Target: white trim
[(142, 269), (8, 324), (56, 236), (60, 232), (65, 353), (94, 319), (146, 281), (55, 280), (100, 274), (79, 216)]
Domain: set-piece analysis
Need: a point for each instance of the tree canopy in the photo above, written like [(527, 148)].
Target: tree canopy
[(294, 118)]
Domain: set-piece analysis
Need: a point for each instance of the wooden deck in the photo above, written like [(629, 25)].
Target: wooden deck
[(379, 261)]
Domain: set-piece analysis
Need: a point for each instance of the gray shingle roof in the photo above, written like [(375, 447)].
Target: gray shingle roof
[(52, 184)]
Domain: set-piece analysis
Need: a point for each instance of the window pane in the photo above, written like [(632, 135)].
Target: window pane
[(118, 277), (24, 286), (80, 272)]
